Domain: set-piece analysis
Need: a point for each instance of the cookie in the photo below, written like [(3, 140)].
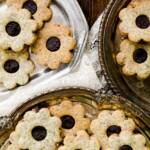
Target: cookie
[(135, 59), (37, 130), (16, 29), (127, 141), (135, 3), (15, 68), (135, 21), (54, 46), (38, 8), (72, 117), (12, 147), (109, 123), (80, 141)]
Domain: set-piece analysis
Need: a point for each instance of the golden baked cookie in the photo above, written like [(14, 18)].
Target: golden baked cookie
[(135, 21), (40, 9), (37, 130), (16, 29), (15, 68), (109, 123), (80, 141), (72, 117), (135, 59), (54, 46)]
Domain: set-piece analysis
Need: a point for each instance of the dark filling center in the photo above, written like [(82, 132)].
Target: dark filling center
[(13, 28), (113, 129), (142, 21), (125, 147), (140, 55), (53, 44), (39, 133), (11, 66), (68, 122), (31, 6)]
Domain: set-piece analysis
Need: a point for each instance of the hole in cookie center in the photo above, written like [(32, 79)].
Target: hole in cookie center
[(125, 147), (13, 28), (39, 133), (142, 21), (31, 6), (140, 55), (11, 66), (53, 44), (68, 122), (113, 129)]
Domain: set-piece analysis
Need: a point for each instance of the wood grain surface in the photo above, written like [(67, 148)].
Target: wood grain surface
[(92, 9)]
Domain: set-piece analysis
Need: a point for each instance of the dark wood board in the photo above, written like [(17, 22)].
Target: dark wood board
[(92, 9)]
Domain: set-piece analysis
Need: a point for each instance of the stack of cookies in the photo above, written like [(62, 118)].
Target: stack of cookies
[(70, 126), (134, 29), (26, 24)]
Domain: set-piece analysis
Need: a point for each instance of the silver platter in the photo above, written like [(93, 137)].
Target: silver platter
[(65, 12)]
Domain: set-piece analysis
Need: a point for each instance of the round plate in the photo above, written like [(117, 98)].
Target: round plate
[(93, 100), (130, 87)]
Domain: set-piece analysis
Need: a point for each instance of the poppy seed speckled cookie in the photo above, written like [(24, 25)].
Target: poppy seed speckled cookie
[(15, 68), (135, 21), (16, 29), (80, 141), (40, 9), (135, 59), (109, 123), (72, 117), (37, 130), (127, 141), (54, 46)]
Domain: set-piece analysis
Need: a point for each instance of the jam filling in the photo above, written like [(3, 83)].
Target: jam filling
[(31, 6), (53, 44), (13, 28), (142, 21), (68, 122), (140, 55), (11, 66), (39, 133), (113, 129), (125, 147)]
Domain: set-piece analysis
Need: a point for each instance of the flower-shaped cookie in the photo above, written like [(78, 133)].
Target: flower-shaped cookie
[(72, 117), (135, 22), (15, 68), (12, 147), (109, 123), (135, 59), (80, 141), (16, 29), (37, 131), (127, 141), (54, 46), (39, 9)]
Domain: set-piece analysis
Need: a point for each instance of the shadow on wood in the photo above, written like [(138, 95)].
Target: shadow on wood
[(92, 9)]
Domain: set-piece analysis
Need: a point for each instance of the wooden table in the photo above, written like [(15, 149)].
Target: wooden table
[(92, 9)]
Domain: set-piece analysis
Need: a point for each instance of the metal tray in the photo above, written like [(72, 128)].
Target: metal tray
[(91, 98), (130, 87), (67, 13)]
